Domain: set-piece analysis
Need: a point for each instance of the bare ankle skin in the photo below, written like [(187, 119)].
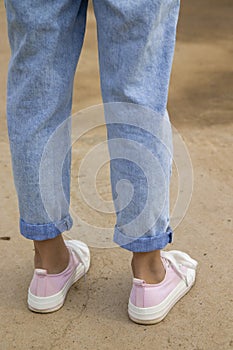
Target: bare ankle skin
[(148, 267), (51, 255)]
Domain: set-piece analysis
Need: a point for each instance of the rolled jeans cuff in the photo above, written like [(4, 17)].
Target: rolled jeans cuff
[(144, 243), (41, 232)]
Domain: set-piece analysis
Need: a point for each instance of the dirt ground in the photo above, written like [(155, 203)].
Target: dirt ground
[(95, 313)]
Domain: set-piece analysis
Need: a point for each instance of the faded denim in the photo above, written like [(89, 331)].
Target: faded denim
[(136, 45)]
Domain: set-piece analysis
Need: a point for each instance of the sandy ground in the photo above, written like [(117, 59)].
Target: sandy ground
[(95, 313)]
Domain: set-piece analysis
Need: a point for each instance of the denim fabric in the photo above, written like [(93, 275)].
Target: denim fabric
[(136, 45)]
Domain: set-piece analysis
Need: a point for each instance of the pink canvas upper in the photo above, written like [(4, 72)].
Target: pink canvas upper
[(44, 284), (147, 295)]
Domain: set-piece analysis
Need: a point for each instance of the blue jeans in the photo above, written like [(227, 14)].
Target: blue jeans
[(136, 45)]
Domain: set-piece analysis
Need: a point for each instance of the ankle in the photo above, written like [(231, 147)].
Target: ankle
[(51, 255), (53, 264), (148, 267)]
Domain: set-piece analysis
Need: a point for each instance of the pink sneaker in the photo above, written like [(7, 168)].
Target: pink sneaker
[(47, 292), (150, 303)]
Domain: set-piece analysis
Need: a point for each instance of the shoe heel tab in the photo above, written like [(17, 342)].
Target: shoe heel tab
[(41, 272), (138, 282)]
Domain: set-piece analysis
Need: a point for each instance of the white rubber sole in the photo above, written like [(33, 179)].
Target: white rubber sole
[(155, 314), (56, 301)]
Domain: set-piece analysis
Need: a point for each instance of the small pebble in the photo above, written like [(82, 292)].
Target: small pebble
[(5, 238)]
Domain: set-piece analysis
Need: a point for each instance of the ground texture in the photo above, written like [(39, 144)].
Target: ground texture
[(95, 313)]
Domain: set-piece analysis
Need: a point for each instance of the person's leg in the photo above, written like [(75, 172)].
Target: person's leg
[(46, 40), (136, 46)]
